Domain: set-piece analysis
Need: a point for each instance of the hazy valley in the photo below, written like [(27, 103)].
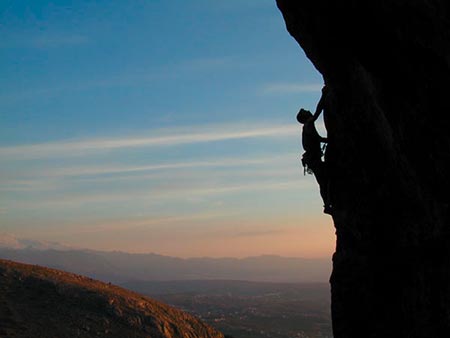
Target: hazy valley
[(250, 309), (256, 297)]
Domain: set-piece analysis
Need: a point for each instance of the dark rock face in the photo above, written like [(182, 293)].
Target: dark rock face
[(387, 63)]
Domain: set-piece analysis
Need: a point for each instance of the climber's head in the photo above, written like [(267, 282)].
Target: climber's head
[(303, 116)]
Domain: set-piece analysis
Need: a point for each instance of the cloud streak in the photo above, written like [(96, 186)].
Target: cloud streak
[(172, 138), (124, 169), (68, 201)]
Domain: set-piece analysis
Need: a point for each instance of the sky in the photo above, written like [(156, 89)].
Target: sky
[(157, 126)]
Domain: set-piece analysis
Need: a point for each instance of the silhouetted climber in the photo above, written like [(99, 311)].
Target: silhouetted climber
[(312, 157)]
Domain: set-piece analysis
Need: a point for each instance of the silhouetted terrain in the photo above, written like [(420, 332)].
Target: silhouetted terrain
[(386, 65), (45, 303), (239, 308), (250, 309), (121, 267)]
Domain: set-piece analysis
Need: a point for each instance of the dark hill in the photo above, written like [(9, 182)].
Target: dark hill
[(386, 64), (40, 302)]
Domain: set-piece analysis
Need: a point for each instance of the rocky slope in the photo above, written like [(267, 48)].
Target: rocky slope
[(387, 64), (40, 302)]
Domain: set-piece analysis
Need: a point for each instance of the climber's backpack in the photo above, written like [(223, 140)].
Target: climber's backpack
[(307, 158), (305, 161)]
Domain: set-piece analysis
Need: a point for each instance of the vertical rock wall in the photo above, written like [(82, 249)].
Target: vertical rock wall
[(387, 63)]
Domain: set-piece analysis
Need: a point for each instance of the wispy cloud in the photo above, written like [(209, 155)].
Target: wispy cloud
[(108, 169), (160, 139), (30, 185), (244, 169), (144, 222), (289, 88), (157, 195)]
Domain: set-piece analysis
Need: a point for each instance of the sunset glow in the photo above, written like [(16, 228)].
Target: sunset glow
[(149, 127)]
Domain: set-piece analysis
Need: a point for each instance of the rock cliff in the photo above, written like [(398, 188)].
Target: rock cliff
[(46, 303), (387, 64)]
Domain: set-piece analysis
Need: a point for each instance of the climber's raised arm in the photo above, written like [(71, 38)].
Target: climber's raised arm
[(320, 104)]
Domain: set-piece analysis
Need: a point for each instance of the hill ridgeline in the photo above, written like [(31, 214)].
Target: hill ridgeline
[(46, 303)]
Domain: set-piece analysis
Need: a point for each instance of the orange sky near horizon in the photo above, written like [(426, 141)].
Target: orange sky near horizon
[(307, 237)]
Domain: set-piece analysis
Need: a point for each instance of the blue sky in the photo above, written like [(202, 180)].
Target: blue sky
[(157, 126)]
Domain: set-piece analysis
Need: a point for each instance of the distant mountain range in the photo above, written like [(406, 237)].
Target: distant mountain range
[(120, 267)]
